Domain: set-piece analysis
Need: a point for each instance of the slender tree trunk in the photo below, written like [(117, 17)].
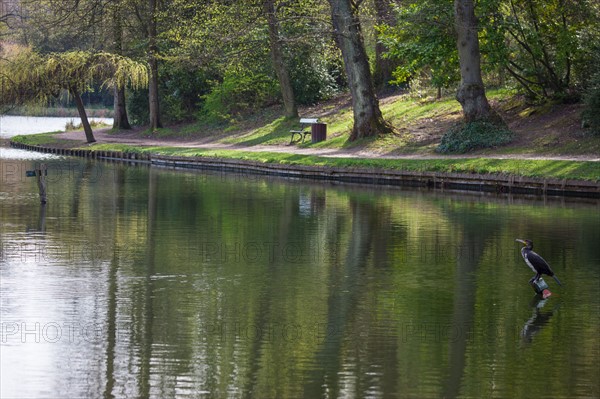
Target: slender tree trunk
[(368, 120), (154, 108), (121, 121), (383, 66), (471, 92), (281, 70), (89, 135)]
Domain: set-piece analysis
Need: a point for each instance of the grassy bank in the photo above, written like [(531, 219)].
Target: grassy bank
[(558, 169), (550, 130), (532, 168), (419, 123)]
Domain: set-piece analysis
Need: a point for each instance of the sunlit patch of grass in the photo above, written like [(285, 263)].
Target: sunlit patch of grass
[(583, 170), (407, 110), (274, 132), (37, 139)]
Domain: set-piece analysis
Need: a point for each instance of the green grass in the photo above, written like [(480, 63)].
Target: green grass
[(581, 170), (270, 128), (36, 139), (275, 132), (408, 111), (125, 148)]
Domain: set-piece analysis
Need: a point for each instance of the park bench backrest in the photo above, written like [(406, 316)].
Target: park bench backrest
[(309, 120)]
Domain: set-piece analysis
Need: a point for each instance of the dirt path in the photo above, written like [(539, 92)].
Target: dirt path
[(133, 138)]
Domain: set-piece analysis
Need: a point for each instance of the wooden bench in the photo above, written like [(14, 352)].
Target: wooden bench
[(305, 124)]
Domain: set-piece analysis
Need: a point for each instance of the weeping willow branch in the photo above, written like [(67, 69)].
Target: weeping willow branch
[(35, 78)]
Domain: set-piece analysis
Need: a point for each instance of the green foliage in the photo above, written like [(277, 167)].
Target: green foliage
[(582, 170), (464, 137), (71, 125), (544, 47), (137, 107), (35, 77), (542, 44), (423, 41), (226, 37), (313, 79), (240, 92), (36, 139), (181, 89), (591, 114)]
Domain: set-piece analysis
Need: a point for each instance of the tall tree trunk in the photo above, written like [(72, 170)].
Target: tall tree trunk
[(281, 70), (89, 135), (471, 92), (153, 81), (121, 121), (383, 66), (368, 120)]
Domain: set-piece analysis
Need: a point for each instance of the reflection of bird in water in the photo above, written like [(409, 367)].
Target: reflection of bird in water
[(535, 262), (538, 320)]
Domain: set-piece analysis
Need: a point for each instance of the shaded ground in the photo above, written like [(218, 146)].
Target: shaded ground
[(552, 132)]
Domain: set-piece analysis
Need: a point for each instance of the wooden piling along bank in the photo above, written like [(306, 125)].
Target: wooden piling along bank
[(498, 183), (84, 153)]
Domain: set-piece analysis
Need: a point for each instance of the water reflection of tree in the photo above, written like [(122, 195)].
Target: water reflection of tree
[(348, 287), (146, 337), (111, 328), (112, 286), (473, 231), (263, 317)]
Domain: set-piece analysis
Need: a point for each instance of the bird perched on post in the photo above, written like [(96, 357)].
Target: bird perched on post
[(535, 262)]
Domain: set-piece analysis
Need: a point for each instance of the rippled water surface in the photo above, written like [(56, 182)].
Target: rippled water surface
[(141, 282)]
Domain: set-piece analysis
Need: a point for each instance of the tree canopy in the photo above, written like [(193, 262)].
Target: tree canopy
[(223, 60), (30, 76)]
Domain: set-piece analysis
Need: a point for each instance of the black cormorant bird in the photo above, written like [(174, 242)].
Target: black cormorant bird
[(535, 262)]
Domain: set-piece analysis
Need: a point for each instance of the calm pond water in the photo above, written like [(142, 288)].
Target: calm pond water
[(143, 282), (14, 125)]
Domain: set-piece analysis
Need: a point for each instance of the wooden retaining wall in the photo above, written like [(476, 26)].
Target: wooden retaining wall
[(499, 183), (85, 153)]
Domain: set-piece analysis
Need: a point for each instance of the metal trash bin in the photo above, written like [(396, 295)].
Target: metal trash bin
[(318, 132)]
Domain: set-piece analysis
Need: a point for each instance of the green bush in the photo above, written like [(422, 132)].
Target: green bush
[(137, 107), (464, 137), (181, 92), (240, 93), (313, 79), (591, 112)]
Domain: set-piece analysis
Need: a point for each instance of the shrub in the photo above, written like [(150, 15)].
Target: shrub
[(181, 91), (137, 107), (313, 79), (591, 112), (71, 125), (240, 93), (464, 137)]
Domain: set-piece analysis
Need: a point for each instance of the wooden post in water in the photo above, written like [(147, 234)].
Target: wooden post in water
[(41, 173), (541, 288)]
